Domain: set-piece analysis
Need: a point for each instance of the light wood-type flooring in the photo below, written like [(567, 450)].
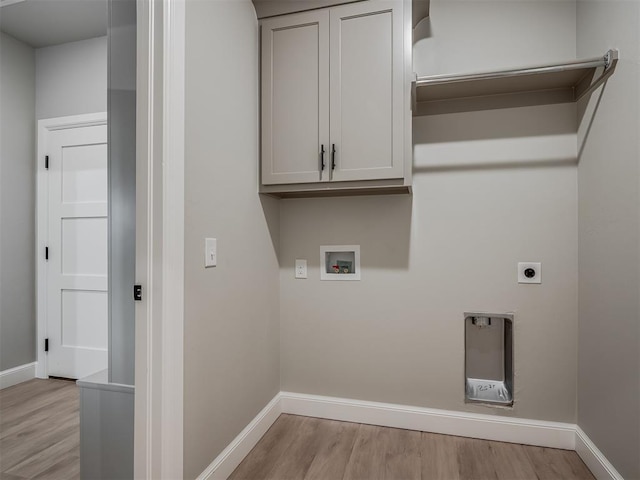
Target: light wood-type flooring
[(40, 431), (39, 438), (302, 448)]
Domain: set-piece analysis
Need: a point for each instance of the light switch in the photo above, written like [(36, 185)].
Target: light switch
[(301, 268), (210, 252)]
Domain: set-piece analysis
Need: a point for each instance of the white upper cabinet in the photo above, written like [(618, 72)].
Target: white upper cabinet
[(366, 93), (295, 95), (335, 102)]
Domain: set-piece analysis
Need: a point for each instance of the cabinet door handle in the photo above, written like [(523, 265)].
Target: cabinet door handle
[(333, 156), (322, 157)]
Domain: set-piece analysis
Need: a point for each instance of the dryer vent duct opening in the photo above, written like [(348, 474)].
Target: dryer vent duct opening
[(489, 358)]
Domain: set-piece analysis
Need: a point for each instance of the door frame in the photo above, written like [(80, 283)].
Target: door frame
[(44, 127), (159, 387)]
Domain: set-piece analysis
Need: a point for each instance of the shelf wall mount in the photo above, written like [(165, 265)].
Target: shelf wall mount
[(539, 85)]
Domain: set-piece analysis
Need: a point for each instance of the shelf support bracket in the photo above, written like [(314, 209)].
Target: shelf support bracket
[(414, 94), (610, 62)]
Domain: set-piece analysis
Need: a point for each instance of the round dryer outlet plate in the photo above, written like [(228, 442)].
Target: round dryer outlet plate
[(529, 272)]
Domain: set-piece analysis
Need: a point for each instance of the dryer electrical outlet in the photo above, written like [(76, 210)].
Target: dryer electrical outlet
[(529, 272)]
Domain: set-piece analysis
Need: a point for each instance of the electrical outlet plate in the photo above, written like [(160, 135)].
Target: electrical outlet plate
[(524, 266), (301, 268)]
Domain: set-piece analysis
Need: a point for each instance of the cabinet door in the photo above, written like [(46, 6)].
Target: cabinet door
[(367, 90), (295, 98)]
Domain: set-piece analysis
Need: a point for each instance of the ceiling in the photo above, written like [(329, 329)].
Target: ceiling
[(42, 23)]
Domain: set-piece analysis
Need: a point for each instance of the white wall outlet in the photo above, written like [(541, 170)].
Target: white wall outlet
[(210, 252), (529, 272), (301, 268)]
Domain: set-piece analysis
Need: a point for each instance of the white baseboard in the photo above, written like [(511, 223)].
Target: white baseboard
[(594, 459), (488, 427), (230, 458), (16, 375)]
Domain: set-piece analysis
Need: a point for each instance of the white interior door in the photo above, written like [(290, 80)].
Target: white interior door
[(77, 303)]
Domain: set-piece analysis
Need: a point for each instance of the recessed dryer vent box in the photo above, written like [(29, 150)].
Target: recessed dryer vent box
[(489, 358), (340, 262)]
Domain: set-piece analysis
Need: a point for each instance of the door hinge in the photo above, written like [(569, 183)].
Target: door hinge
[(137, 293), (46, 162), (46, 253), (46, 344)]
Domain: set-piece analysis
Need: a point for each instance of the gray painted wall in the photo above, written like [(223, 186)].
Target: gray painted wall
[(71, 78), (17, 203), (491, 189), (469, 36), (609, 238), (231, 338)]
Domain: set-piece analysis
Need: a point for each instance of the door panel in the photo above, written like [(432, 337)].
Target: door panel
[(84, 246), (367, 91), (77, 308), (295, 96), (84, 174), (84, 319)]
